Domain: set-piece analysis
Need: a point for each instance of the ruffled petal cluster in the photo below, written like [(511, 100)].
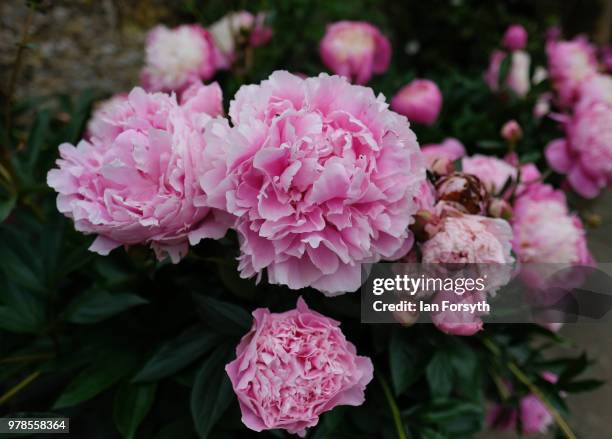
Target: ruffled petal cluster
[(292, 367), (321, 177), (133, 181), (355, 49)]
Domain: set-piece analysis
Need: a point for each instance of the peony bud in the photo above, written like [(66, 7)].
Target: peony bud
[(512, 131), (464, 192), (420, 101), (515, 38), (442, 166)]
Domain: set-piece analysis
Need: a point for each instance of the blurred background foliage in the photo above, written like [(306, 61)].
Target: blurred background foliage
[(130, 347)]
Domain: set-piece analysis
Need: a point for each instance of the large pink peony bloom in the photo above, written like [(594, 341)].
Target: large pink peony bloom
[(420, 101), (597, 89), (321, 175), (469, 239), (102, 111), (544, 229), (585, 155), (176, 58), (134, 181), (355, 49), (292, 367), (570, 63), (239, 28)]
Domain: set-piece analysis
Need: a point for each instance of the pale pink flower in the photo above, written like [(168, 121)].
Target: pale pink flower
[(134, 182), (494, 173), (451, 149), (176, 58), (420, 101), (464, 323), (102, 111), (469, 239), (240, 27), (515, 38), (511, 131), (517, 78), (570, 63), (294, 366), (321, 175), (544, 229), (355, 49), (597, 89), (542, 105), (585, 155)]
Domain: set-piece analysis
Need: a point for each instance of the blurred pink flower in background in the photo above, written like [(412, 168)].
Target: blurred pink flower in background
[(420, 101), (322, 177), (597, 89), (515, 38), (542, 105), (511, 131), (176, 58), (532, 413), (606, 58), (133, 182), (544, 229), (569, 64), (355, 49), (464, 323), (294, 366), (233, 28), (517, 78), (585, 155), (451, 149), (492, 171)]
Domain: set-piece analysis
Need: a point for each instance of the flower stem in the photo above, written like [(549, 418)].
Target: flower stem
[(17, 388), (395, 413)]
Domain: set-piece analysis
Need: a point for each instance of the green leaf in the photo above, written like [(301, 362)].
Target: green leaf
[(491, 144), (132, 403), (440, 375), (95, 306), (7, 204), (212, 391), (404, 363), (574, 368), (443, 411), (21, 311), (504, 69), (582, 386), (224, 317), (102, 374), (36, 139), (177, 354)]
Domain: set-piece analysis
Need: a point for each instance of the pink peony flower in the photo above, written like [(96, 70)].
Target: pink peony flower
[(322, 177), (451, 149), (420, 101), (570, 63), (464, 323), (176, 58), (102, 111), (515, 38), (469, 239), (492, 172), (237, 28), (292, 367), (355, 49), (511, 131), (545, 231), (585, 155), (597, 89), (517, 78), (133, 182), (606, 58)]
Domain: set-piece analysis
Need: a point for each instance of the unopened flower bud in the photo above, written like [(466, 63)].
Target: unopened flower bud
[(499, 208), (464, 192), (512, 131)]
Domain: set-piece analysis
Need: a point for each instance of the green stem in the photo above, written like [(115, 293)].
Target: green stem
[(395, 413)]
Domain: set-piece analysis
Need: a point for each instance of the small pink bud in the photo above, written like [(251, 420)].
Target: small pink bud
[(499, 208), (420, 101), (515, 38), (442, 166), (511, 131)]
